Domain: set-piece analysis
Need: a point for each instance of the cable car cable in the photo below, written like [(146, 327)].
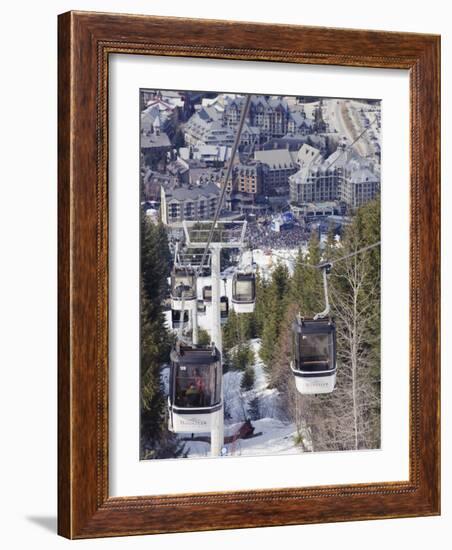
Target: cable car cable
[(220, 202), (226, 179), (331, 262), (347, 149)]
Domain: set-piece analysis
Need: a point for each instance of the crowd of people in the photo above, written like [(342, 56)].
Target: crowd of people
[(261, 235)]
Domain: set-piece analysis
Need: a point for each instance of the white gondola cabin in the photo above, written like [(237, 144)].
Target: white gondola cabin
[(183, 288), (314, 355), (194, 400), (176, 319), (243, 292), (207, 294)]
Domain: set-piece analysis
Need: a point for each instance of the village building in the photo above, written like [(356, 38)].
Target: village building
[(344, 176), (278, 166), (191, 203)]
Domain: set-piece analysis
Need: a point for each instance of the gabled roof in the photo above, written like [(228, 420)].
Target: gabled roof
[(160, 103), (276, 158), (343, 156), (308, 155), (148, 140), (194, 192), (363, 175), (300, 119)]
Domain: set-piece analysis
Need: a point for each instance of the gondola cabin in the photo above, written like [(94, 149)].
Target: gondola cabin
[(176, 320), (207, 294), (194, 400), (224, 309), (314, 355), (243, 292), (183, 288)]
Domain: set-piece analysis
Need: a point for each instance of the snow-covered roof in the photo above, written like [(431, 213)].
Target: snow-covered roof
[(149, 140), (308, 155), (221, 153), (184, 193), (276, 158), (362, 176)]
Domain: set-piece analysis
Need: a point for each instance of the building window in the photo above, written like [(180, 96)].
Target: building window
[(188, 210)]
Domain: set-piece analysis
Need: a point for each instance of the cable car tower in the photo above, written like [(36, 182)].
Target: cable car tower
[(225, 235), (184, 302)]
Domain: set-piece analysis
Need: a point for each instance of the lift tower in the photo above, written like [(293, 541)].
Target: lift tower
[(226, 235)]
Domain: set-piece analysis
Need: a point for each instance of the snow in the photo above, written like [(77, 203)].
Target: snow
[(267, 260), (276, 437), (334, 112)]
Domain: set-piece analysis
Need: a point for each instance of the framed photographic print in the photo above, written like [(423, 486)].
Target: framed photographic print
[(248, 275)]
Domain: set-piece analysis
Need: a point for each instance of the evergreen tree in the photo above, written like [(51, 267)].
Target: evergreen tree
[(306, 284), (155, 262), (258, 316), (156, 441), (241, 357), (248, 377), (330, 245), (276, 301), (239, 328), (203, 337), (179, 139), (163, 247), (247, 328), (253, 409), (231, 332)]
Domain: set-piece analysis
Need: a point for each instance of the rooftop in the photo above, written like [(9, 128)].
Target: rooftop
[(308, 155), (149, 140), (191, 192), (276, 158), (363, 175)]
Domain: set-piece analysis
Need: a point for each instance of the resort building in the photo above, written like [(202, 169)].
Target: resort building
[(344, 176), (279, 165), (193, 202)]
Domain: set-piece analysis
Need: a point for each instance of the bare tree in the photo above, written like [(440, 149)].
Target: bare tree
[(355, 297), (348, 418)]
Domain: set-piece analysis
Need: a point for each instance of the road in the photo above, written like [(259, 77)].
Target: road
[(342, 115)]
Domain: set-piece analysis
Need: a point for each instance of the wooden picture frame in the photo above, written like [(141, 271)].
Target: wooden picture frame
[(86, 40)]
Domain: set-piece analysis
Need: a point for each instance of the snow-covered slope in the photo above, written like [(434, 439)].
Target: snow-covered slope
[(267, 260), (276, 437), (238, 402)]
